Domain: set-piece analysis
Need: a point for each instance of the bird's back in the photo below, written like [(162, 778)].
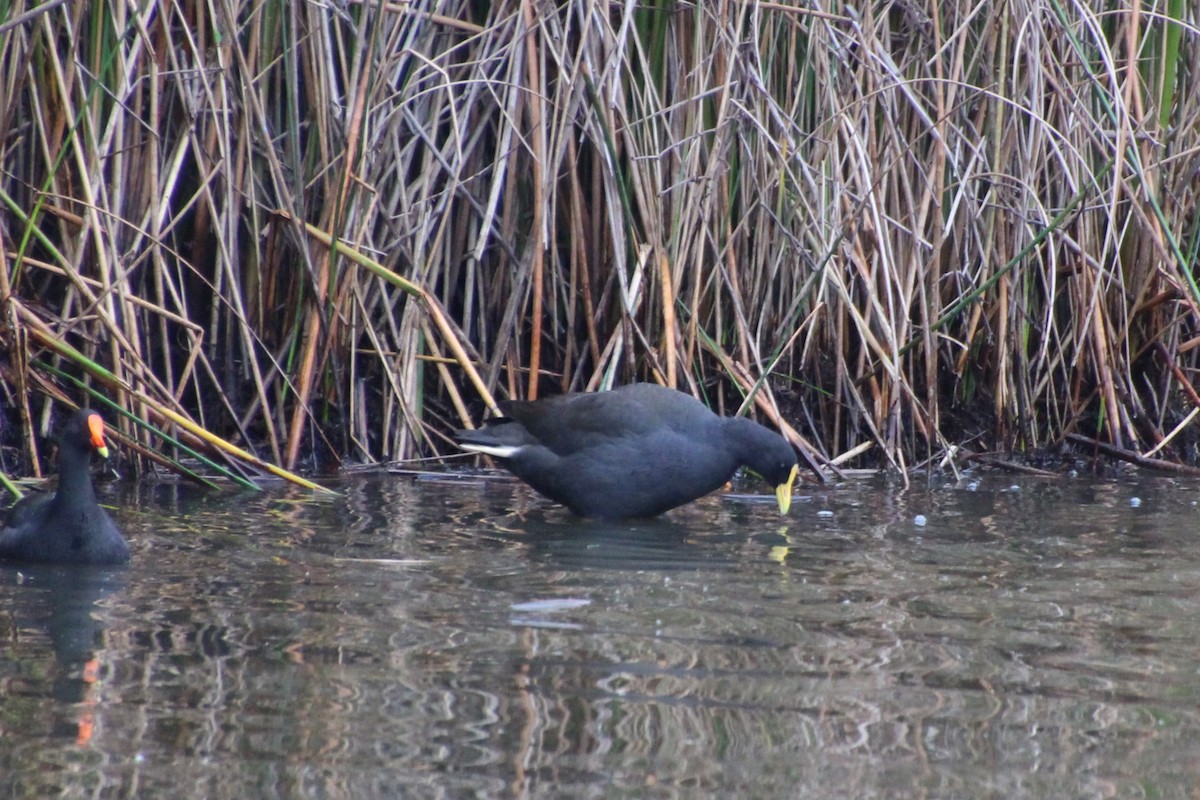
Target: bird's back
[(40, 529), (574, 422)]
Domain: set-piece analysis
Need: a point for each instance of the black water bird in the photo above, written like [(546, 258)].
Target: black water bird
[(635, 451), (68, 527)]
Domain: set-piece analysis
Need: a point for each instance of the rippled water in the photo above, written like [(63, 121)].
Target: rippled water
[(459, 637)]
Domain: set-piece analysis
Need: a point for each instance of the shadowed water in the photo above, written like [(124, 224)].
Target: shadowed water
[(461, 638)]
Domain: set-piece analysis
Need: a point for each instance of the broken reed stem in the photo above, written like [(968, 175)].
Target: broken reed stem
[(430, 303), (47, 338), (982, 222)]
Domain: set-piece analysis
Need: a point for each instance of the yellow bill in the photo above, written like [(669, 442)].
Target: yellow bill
[(783, 492)]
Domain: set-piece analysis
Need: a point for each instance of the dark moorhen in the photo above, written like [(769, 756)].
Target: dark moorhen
[(636, 451), (69, 527)]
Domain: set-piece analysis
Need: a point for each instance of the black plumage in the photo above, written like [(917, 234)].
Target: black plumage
[(68, 527), (635, 451)]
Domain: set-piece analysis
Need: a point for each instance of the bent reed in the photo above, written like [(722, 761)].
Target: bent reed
[(293, 235)]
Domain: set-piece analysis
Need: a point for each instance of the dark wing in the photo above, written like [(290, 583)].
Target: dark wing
[(571, 423), (29, 508)]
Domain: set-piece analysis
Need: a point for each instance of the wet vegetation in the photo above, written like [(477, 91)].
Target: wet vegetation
[(304, 234)]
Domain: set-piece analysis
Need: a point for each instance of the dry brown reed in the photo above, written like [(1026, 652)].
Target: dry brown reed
[(304, 226)]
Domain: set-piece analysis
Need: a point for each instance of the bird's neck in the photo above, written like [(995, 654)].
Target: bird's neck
[(745, 437), (75, 478)]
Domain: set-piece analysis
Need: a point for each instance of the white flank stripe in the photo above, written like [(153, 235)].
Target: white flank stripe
[(499, 451)]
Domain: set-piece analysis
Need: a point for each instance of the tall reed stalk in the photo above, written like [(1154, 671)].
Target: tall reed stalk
[(334, 231)]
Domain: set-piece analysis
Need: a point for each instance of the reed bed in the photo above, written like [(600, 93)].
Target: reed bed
[(300, 234)]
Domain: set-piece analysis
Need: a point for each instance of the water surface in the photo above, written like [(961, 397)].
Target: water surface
[(462, 638)]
